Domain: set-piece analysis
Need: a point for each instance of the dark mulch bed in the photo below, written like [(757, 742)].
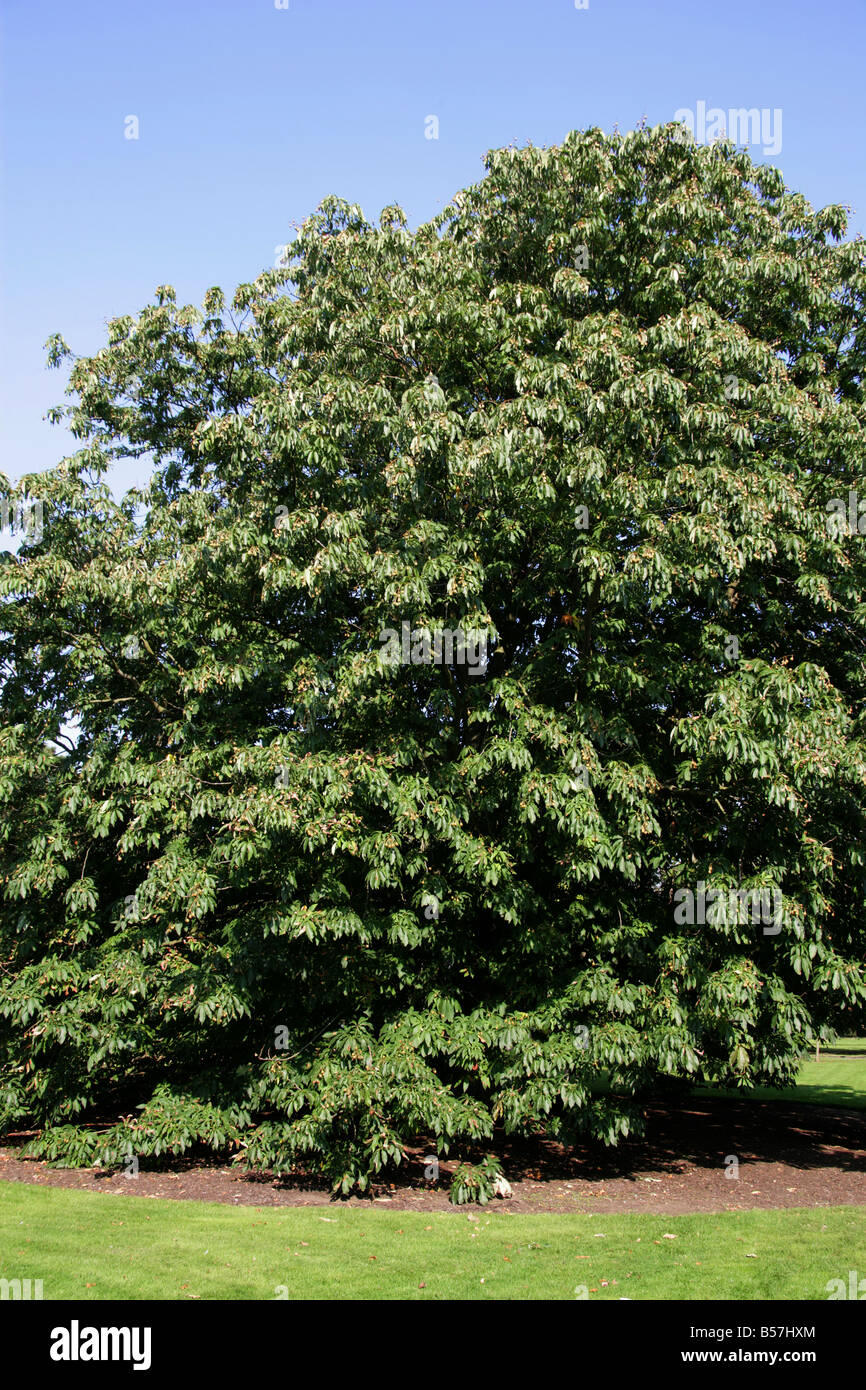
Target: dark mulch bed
[(789, 1156)]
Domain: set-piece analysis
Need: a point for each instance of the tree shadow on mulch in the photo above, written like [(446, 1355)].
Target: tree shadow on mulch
[(701, 1134), (791, 1155)]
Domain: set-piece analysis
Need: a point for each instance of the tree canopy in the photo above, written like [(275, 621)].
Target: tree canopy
[(275, 888)]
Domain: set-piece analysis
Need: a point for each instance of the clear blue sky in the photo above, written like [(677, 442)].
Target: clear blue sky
[(250, 114)]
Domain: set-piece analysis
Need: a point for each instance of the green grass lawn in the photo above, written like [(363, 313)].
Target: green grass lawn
[(849, 1046), (87, 1246), (838, 1077)]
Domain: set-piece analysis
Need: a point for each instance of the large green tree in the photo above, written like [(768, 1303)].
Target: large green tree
[(265, 889)]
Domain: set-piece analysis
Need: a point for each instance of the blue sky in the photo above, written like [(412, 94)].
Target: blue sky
[(249, 114)]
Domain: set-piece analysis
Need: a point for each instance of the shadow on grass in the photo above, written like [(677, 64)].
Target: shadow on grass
[(841, 1097)]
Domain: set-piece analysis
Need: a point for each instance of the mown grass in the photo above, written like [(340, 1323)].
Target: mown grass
[(86, 1246)]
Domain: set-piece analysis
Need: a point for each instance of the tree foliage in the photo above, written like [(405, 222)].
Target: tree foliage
[(264, 891)]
